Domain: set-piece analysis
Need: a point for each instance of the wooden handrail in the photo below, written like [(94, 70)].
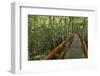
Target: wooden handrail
[(83, 45), (65, 50), (59, 47), (70, 36), (62, 54)]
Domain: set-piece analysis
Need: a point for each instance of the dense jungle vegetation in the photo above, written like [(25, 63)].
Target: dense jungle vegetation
[(46, 32)]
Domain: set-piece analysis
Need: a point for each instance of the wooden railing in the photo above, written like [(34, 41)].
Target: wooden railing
[(63, 44), (57, 49), (83, 45), (63, 53)]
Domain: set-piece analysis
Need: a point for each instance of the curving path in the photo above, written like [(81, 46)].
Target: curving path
[(75, 50)]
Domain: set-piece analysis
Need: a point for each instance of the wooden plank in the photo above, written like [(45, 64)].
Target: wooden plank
[(62, 54), (59, 47), (83, 45)]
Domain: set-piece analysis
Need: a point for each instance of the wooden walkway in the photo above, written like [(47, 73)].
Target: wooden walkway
[(75, 50), (74, 43)]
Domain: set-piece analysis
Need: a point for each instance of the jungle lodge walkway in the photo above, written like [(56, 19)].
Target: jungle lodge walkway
[(73, 47), (75, 50)]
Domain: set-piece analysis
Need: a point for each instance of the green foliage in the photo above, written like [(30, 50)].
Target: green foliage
[(47, 32)]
